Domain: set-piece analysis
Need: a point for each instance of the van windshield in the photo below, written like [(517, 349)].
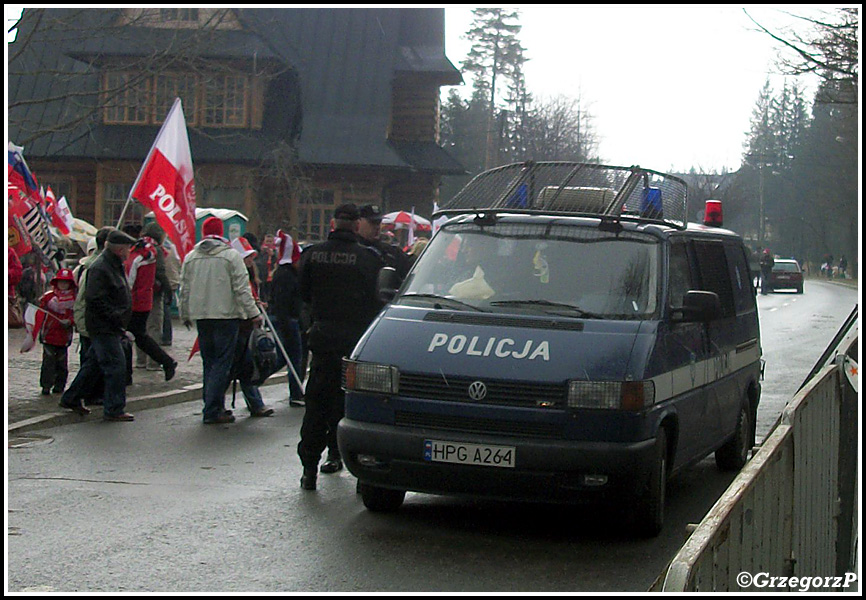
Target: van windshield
[(541, 269)]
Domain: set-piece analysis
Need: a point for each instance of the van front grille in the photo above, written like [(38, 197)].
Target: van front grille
[(499, 392), (477, 425)]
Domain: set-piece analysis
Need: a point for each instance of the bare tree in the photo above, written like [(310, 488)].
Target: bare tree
[(558, 128), (830, 48)]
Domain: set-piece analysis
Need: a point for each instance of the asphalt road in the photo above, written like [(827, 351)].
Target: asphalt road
[(169, 505)]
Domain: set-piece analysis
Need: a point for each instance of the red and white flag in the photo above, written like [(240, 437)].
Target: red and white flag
[(60, 216), (50, 200), (166, 184), (63, 218)]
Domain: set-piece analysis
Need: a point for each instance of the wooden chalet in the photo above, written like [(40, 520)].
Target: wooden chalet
[(290, 112)]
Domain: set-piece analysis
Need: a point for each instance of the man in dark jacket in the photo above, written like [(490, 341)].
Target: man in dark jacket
[(107, 313), (284, 308), (338, 280), (767, 262), (369, 228)]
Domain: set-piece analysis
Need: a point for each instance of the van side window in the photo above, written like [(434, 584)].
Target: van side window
[(680, 275), (744, 296), (714, 273)]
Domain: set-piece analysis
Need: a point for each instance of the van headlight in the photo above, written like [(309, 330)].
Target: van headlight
[(370, 377), (618, 395)]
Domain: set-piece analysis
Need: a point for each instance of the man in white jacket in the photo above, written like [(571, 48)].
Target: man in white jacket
[(215, 293)]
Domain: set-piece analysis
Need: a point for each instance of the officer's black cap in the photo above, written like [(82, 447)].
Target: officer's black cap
[(119, 237), (346, 212), (371, 212)]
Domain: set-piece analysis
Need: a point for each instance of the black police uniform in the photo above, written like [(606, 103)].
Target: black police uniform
[(338, 279), (391, 256)]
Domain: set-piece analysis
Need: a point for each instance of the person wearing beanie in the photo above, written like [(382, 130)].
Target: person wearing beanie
[(141, 268), (215, 294), (338, 281), (284, 309), (162, 286), (108, 309), (212, 227)]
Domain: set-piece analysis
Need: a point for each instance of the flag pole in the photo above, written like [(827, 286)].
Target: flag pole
[(146, 160), (285, 354)]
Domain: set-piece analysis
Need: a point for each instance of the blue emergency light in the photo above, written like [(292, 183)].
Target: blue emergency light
[(651, 204)]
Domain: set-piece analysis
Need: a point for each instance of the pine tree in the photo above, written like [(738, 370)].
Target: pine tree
[(496, 58)]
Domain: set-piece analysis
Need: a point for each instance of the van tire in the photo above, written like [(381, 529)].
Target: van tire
[(650, 512), (735, 453), (378, 499)]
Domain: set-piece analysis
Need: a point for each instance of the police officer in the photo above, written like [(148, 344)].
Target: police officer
[(338, 280), (369, 229)]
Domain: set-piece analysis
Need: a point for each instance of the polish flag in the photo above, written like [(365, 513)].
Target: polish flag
[(166, 184)]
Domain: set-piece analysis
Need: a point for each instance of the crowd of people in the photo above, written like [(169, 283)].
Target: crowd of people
[(831, 269), (317, 303)]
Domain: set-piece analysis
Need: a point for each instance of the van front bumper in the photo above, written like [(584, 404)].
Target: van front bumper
[(545, 470)]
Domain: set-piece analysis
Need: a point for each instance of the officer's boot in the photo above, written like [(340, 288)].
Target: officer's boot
[(308, 479)]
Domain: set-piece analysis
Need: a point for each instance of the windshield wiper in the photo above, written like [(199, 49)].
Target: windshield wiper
[(570, 307), (445, 298)]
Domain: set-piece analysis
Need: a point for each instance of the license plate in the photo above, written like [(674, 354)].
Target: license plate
[(469, 454)]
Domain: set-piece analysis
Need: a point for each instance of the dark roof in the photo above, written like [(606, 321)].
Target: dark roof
[(428, 156), (140, 41), (332, 101)]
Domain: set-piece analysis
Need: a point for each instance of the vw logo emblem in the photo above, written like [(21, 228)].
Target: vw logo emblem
[(477, 390)]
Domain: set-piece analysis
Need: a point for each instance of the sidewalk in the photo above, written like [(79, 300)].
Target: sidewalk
[(27, 408)]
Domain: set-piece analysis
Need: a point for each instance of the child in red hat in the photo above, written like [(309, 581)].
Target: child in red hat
[(53, 325)]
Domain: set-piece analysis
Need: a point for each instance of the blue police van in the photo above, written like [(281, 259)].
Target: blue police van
[(565, 336)]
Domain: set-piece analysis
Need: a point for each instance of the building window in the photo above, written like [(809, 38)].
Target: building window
[(114, 199), (224, 98), (176, 85), (314, 214), (226, 101), (126, 99)]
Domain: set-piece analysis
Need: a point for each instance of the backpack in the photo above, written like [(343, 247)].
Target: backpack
[(27, 287), (263, 351)]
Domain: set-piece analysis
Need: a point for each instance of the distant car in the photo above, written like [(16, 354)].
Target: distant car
[(786, 274)]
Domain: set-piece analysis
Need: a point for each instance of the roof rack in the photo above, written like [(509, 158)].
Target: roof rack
[(575, 189)]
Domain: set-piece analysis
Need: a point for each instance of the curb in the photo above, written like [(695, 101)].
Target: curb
[(188, 393)]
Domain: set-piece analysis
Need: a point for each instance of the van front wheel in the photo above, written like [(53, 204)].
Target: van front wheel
[(378, 499), (650, 511), (734, 454)]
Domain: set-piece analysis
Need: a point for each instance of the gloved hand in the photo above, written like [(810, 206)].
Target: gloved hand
[(188, 325)]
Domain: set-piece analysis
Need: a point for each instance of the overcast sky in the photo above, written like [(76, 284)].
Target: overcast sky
[(670, 87)]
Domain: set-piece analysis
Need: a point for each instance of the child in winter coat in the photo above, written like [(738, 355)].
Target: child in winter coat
[(53, 325)]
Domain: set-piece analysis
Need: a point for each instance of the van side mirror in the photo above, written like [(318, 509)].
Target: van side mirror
[(387, 284), (700, 306)]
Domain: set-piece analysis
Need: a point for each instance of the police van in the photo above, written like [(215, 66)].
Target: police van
[(565, 336)]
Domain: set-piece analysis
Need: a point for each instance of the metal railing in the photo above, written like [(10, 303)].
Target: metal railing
[(791, 512)]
